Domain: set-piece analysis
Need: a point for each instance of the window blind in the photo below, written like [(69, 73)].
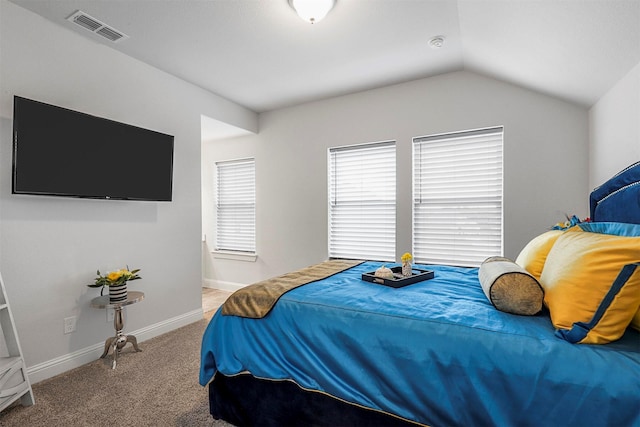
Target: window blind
[(236, 206), (362, 201), (457, 210)]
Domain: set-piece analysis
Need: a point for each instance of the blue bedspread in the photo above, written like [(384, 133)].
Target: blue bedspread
[(436, 352)]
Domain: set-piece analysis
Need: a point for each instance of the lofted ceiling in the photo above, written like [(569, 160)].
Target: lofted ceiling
[(259, 54)]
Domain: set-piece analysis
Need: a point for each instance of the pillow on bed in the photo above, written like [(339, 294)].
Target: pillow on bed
[(509, 287), (635, 322), (534, 254), (591, 279)]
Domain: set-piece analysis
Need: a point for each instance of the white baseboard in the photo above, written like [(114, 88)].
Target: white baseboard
[(221, 284), (59, 365)]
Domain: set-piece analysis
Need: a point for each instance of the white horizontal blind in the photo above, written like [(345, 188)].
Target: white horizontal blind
[(457, 210), (362, 201), (236, 206)]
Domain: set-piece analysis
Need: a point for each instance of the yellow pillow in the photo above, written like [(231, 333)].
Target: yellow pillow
[(592, 284), (635, 322), (534, 254)]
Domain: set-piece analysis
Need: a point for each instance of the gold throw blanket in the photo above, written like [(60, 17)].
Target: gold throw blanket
[(256, 301)]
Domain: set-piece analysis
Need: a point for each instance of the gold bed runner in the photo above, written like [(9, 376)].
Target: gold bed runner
[(256, 301)]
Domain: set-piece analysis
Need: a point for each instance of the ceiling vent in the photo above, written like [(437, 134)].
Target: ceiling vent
[(95, 26)]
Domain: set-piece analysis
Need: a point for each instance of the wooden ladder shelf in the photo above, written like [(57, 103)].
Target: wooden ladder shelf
[(14, 382)]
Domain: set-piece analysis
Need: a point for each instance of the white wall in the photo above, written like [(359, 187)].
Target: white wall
[(545, 154), (614, 129), (51, 247)]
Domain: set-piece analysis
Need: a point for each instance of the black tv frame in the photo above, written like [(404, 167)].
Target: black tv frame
[(95, 157)]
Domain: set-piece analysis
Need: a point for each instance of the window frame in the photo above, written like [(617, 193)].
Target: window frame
[(242, 252), (475, 252), (349, 199)]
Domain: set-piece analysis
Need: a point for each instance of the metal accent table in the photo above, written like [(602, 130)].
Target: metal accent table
[(120, 340)]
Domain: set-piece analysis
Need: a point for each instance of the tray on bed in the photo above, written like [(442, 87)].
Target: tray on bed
[(398, 281)]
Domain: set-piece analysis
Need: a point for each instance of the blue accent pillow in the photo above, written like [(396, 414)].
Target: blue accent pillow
[(612, 228)]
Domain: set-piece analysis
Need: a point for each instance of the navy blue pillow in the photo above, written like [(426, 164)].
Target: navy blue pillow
[(618, 199)]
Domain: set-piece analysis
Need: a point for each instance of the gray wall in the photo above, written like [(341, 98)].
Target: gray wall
[(545, 157), (50, 247), (614, 129)]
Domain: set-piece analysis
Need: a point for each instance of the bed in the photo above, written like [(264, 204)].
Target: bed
[(341, 351)]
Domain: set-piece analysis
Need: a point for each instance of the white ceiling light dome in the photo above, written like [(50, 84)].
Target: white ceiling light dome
[(312, 11)]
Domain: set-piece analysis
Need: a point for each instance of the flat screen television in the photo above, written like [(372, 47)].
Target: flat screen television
[(60, 152)]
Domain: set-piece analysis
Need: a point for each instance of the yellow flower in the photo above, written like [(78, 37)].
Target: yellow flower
[(114, 278), (406, 257), (114, 275)]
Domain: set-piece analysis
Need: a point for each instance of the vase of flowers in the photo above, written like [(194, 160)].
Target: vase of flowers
[(118, 293), (116, 281), (406, 264)]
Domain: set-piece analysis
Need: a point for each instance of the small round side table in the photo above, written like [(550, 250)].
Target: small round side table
[(120, 340)]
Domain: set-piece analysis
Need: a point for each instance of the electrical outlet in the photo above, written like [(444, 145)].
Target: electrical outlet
[(70, 324), (110, 314)]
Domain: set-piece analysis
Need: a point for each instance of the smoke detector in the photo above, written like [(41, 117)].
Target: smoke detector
[(436, 42), (96, 26)]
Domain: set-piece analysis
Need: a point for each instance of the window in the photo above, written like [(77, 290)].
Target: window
[(236, 206), (362, 201), (457, 207)]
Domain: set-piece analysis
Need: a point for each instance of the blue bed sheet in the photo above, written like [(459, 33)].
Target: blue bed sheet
[(435, 352)]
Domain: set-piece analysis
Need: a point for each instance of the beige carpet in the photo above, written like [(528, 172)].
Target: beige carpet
[(156, 387)]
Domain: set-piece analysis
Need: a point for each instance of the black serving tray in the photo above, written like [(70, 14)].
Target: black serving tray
[(417, 275)]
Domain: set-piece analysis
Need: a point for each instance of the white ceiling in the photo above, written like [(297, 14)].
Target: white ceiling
[(259, 54)]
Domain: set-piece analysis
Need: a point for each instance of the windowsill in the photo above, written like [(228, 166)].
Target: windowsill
[(236, 256)]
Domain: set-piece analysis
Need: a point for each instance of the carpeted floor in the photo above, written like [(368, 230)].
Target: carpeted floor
[(156, 387)]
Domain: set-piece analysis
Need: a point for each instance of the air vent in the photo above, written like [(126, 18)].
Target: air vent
[(96, 26), (110, 34)]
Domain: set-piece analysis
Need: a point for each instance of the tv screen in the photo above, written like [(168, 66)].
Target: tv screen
[(60, 152)]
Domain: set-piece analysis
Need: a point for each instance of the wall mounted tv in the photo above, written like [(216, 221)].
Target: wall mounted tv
[(60, 152)]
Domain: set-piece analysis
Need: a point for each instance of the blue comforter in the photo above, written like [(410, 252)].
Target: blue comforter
[(435, 352)]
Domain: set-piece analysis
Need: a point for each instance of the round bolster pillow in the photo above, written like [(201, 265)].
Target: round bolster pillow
[(509, 287)]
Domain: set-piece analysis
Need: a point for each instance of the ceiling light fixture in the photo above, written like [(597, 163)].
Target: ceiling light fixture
[(436, 42), (312, 11)]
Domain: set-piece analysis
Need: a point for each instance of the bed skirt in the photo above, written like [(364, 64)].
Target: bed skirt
[(244, 400)]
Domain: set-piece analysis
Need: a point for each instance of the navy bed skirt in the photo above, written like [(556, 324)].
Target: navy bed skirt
[(244, 400)]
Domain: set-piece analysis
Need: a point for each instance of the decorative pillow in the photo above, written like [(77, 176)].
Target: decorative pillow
[(635, 322), (534, 254), (591, 279), (509, 287)]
